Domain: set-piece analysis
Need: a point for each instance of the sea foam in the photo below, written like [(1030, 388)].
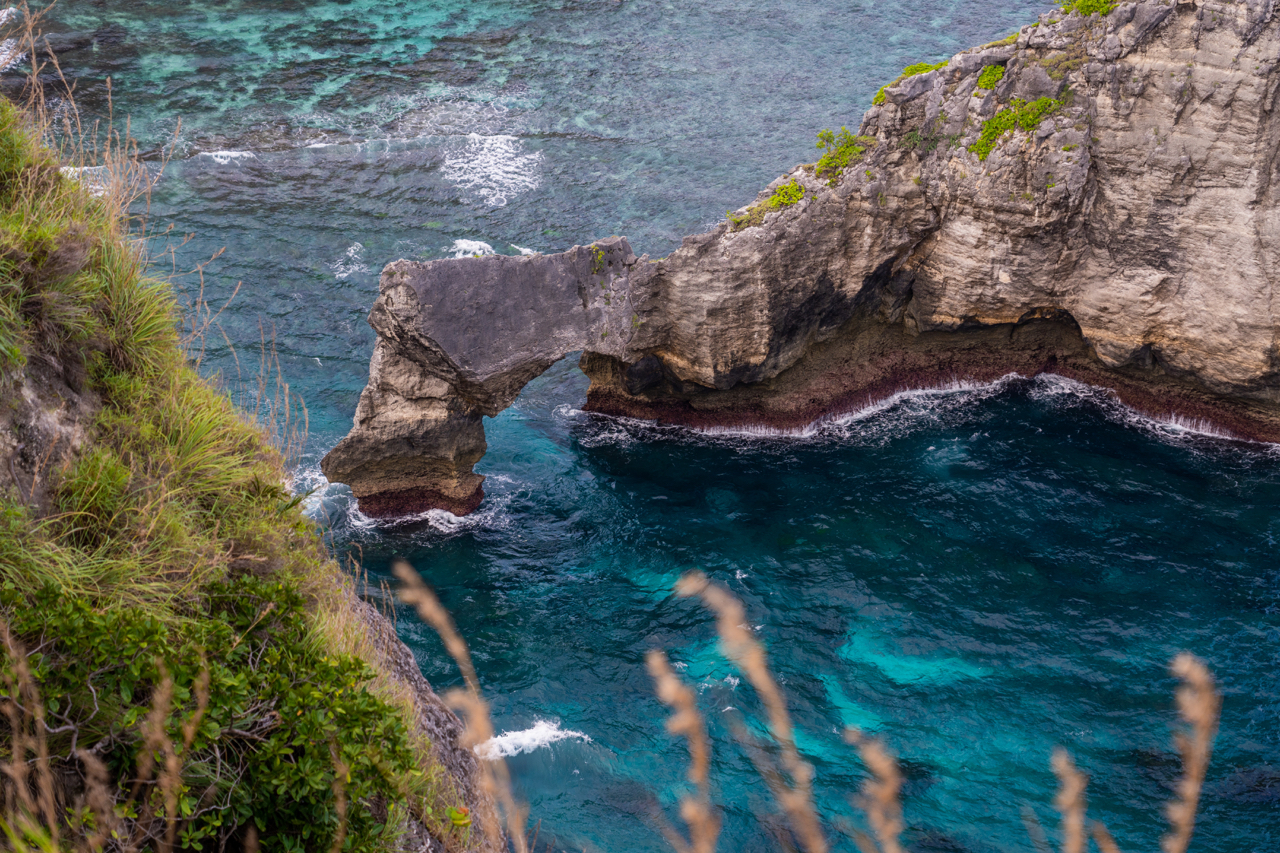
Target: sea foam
[(222, 158), (350, 263), (541, 733), (470, 249), (495, 168)]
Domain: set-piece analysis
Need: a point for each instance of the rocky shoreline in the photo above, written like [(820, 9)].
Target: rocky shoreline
[(850, 373), (1094, 197)]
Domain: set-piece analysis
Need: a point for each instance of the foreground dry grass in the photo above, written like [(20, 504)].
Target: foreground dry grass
[(785, 772)]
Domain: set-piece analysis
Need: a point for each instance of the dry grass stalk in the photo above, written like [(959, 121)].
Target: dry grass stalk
[(1199, 704), (495, 779), (881, 794), (1070, 802), (98, 799), (686, 722), (1102, 838), (341, 773), (32, 819), (741, 647)]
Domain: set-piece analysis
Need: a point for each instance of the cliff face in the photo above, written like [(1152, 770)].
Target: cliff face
[(1094, 197)]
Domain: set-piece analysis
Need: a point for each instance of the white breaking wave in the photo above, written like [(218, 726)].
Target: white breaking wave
[(495, 168), (222, 158), (351, 262), (10, 52), (540, 734), (851, 416), (1170, 427), (906, 410), (470, 248), (95, 178), (522, 250), (915, 407)]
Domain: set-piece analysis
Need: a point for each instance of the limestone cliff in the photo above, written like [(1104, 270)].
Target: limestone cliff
[(1095, 196)]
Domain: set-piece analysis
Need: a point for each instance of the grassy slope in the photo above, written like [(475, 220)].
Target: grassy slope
[(183, 613)]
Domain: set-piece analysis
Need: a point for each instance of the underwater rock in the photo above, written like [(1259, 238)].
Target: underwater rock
[(1107, 211)]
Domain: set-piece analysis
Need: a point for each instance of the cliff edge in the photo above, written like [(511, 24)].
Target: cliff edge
[(1094, 196)]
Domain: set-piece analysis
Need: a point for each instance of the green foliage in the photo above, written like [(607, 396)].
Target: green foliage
[(990, 77), (784, 195), (170, 547), (280, 716), (1019, 114), (1004, 42), (55, 270), (1088, 7), (909, 71), (840, 150)]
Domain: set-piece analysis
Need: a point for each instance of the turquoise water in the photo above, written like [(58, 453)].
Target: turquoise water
[(976, 575)]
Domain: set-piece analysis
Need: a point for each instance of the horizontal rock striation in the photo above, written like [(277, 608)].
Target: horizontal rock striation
[(1106, 211)]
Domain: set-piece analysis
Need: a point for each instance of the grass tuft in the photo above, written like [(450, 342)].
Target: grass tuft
[(784, 195), (1088, 7), (910, 71)]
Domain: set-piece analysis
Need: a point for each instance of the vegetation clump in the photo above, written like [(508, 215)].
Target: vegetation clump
[(1088, 7), (784, 195), (1019, 114), (990, 77), (909, 71), (196, 671), (840, 150)]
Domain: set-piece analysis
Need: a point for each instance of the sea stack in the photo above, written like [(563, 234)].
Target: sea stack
[(1095, 196)]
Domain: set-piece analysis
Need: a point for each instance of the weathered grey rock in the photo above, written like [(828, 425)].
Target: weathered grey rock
[(1129, 240), (457, 340)]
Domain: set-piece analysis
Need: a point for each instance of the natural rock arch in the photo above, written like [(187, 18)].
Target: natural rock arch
[(1129, 240)]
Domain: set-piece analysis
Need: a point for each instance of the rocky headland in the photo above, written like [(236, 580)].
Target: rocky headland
[(1094, 196)]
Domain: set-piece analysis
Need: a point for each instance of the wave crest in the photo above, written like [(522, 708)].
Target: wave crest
[(542, 733)]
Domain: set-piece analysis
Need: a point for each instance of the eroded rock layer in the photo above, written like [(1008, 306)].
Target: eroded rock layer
[(1095, 197)]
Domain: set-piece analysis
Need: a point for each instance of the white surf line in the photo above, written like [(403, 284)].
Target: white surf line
[(857, 413), (542, 733)]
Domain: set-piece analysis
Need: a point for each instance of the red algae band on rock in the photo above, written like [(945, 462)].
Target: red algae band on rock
[(1125, 236)]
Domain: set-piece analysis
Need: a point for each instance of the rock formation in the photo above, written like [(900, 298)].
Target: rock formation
[(1095, 197)]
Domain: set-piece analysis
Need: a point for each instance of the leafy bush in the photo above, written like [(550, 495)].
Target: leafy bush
[(1088, 7), (909, 71), (840, 150), (266, 720), (1019, 114), (990, 77), (784, 195)]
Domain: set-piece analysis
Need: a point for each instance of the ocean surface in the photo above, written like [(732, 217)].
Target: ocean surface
[(975, 574)]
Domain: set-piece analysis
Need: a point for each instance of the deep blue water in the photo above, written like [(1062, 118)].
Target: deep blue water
[(974, 574)]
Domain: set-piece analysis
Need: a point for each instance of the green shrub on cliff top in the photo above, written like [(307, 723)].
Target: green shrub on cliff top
[(909, 71), (1019, 114), (840, 150), (1088, 7)]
